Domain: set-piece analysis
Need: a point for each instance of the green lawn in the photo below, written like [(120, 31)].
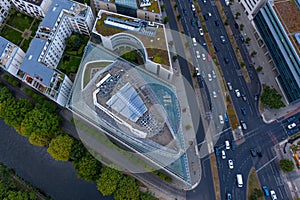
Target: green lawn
[(89, 67), (11, 35), (35, 26), (20, 21), (25, 44)]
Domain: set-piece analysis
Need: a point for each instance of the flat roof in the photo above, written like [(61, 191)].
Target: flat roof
[(36, 2), (288, 14), (153, 41)]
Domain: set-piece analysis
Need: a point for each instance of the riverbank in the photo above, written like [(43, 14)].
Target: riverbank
[(34, 164)]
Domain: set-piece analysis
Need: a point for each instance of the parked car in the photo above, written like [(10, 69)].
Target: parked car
[(237, 93), (193, 22), (229, 86), (259, 154), (291, 119), (292, 125), (203, 56), (223, 155), (217, 151), (230, 164), (203, 74), (201, 31), (214, 94), (195, 15), (253, 152), (213, 74), (216, 22), (273, 195), (216, 48), (293, 131), (209, 77), (184, 11), (193, 8), (233, 146), (227, 145), (242, 38), (266, 191), (228, 196)]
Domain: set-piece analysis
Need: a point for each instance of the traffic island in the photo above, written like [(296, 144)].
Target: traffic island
[(253, 186)]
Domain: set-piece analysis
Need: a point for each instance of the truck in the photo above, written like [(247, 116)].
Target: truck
[(239, 179)]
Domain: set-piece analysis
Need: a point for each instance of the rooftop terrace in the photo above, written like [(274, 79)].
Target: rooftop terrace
[(153, 41), (288, 14)]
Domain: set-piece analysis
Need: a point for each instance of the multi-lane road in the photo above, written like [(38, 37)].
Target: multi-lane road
[(260, 136)]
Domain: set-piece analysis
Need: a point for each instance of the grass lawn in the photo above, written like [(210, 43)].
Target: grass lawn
[(35, 26), (11, 35), (253, 183), (20, 21), (87, 72)]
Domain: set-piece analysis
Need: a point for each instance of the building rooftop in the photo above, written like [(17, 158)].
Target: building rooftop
[(36, 2), (288, 14), (6, 51), (151, 34)]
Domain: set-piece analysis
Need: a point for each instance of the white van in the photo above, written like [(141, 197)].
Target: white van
[(239, 179), (194, 41)]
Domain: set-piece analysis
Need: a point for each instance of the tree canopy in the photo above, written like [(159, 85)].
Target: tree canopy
[(60, 147), (271, 98), (127, 189), (87, 168), (109, 180), (78, 150), (286, 165), (40, 122)]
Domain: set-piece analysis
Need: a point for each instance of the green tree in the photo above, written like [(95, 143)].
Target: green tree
[(60, 147), (175, 6), (253, 53), (248, 40), (88, 168), (271, 98), (162, 7), (109, 180), (237, 14), (20, 195), (39, 140), (15, 111), (41, 122), (74, 42), (178, 17), (127, 189), (175, 58), (242, 26), (5, 94), (166, 20), (130, 56), (78, 150), (286, 165), (146, 196), (259, 68)]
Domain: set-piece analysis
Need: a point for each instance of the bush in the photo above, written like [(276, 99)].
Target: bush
[(271, 98), (259, 68), (11, 80), (286, 165)]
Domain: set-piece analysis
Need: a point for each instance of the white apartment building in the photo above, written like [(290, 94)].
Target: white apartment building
[(252, 7), (45, 51), (11, 56), (34, 8), (5, 6)]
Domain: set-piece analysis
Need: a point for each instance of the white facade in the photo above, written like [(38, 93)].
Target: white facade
[(252, 7), (4, 9), (11, 56), (37, 8)]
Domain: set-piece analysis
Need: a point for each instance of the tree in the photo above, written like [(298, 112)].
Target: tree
[(127, 189), (40, 122), (286, 165), (88, 168), (237, 14), (109, 180), (60, 147), (74, 42), (178, 17), (241, 27), (175, 58), (78, 150), (162, 7), (5, 94), (259, 68), (271, 98), (20, 195), (248, 40), (130, 56), (166, 20), (175, 6), (15, 111), (253, 53), (39, 140), (226, 22), (146, 196)]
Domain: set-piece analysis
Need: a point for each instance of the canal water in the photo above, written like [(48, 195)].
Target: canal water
[(57, 179)]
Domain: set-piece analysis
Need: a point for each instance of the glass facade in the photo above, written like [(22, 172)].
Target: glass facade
[(281, 50)]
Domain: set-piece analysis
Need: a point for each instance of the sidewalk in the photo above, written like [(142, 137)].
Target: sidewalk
[(263, 59)]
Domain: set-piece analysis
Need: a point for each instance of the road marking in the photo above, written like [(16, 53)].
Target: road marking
[(266, 164), (222, 132)]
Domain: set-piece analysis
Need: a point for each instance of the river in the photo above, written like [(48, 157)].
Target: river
[(57, 179)]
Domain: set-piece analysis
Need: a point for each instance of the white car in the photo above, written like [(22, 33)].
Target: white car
[(237, 93), (229, 86), (213, 74), (201, 31), (227, 145), (209, 14), (198, 54), (291, 126), (203, 57), (209, 77), (230, 164), (214, 94), (223, 155), (193, 8), (273, 195)]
